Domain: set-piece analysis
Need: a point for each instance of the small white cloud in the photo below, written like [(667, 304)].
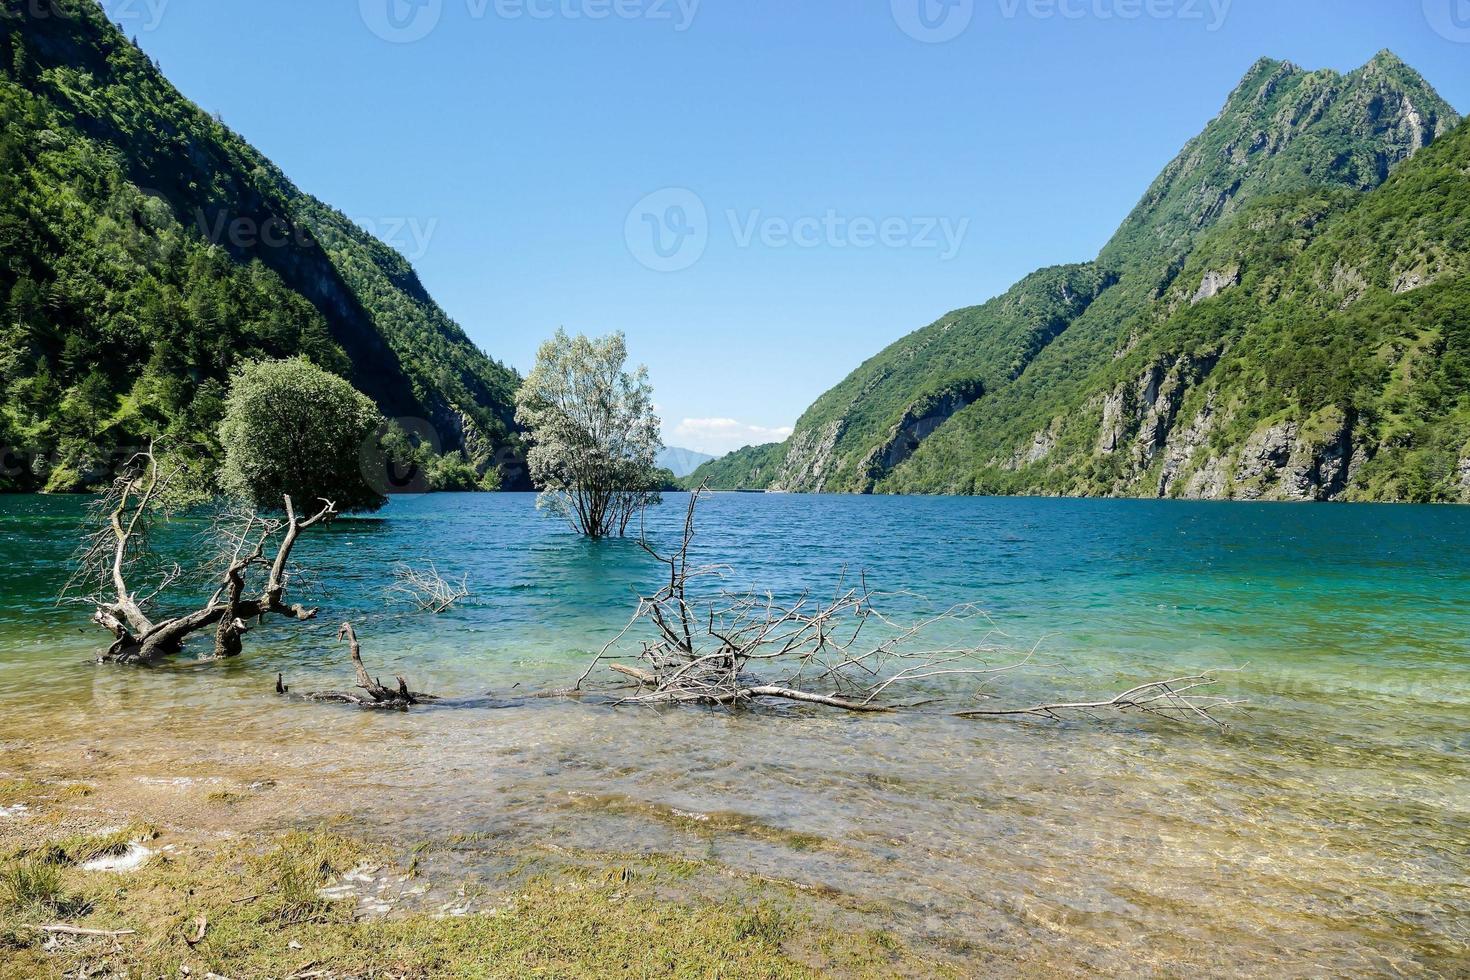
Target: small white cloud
[(720, 436)]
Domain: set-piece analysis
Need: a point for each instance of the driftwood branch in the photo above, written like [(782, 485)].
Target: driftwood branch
[(717, 647), (66, 930), (375, 693), (648, 679), (699, 643), (1175, 699)]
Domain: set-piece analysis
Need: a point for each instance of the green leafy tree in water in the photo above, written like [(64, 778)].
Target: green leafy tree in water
[(593, 431), (291, 428)]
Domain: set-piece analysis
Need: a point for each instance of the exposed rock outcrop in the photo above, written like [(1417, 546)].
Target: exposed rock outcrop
[(810, 458), (1181, 448), (1110, 431), (1213, 284), (1347, 283), (1410, 281), (1291, 461), (1040, 447), (1209, 482), (1262, 458), (1149, 406), (921, 420)]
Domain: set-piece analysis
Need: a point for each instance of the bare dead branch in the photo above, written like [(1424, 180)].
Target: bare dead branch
[(66, 930), (731, 648), (1173, 699), (425, 589), (698, 644)]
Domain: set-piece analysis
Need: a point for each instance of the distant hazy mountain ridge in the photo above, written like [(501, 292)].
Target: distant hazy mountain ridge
[(681, 462), (1281, 316)]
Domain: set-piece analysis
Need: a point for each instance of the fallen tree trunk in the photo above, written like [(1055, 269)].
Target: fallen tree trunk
[(648, 679), (789, 694)]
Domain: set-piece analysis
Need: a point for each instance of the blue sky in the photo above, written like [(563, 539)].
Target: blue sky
[(823, 176)]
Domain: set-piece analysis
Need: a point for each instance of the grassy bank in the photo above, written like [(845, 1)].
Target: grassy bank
[(321, 903)]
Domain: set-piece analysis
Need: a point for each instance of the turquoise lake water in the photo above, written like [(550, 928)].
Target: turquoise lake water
[(1326, 830)]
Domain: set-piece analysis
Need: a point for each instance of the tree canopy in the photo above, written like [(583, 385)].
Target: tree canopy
[(593, 430), (293, 429)]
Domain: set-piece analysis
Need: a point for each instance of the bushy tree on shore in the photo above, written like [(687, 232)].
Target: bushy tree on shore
[(594, 434)]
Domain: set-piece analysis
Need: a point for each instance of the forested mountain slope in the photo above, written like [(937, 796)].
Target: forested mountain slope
[(145, 250), (1263, 311)]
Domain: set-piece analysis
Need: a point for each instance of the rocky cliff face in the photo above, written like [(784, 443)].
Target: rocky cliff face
[(810, 459), (1284, 128), (921, 420)]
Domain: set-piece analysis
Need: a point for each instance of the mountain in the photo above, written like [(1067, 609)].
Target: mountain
[(681, 462), (145, 250), (1279, 317)]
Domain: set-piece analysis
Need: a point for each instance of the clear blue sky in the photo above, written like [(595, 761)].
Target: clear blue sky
[(504, 153)]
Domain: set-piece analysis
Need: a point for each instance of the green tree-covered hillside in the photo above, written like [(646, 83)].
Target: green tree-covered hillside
[(145, 250), (1094, 379)]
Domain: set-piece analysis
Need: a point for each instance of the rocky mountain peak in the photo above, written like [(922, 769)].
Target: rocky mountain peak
[(1283, 128)]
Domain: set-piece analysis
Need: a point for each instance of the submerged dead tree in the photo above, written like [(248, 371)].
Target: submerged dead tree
[(252, 567), (692, 642), (839, 651)]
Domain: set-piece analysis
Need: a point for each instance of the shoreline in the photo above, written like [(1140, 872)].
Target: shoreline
[(124, 896)]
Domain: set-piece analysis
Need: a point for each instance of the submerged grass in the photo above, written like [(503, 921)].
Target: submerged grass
[(705, 825), (19, 790), (79, 848), (265, 915)]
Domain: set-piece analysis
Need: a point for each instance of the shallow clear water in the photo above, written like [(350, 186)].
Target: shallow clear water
[(1325, 832)]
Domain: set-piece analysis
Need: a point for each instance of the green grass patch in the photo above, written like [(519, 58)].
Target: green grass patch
[(266, 918)]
